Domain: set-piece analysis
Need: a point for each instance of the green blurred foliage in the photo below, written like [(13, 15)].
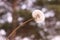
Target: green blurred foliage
[(6, 26), (52, 4), (25, 13), (39, 3), (56, 8)]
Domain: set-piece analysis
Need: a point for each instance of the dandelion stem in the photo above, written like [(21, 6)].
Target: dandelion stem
[(19, 27)]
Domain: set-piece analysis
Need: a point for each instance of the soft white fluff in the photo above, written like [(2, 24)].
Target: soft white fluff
[(38, 16)]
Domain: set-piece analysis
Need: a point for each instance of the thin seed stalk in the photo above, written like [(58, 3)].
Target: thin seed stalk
[(19, 27)]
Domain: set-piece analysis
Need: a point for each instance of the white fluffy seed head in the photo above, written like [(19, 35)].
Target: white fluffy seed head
[(38, 16)]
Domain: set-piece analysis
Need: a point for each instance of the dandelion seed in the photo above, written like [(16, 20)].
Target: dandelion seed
[(38, 16)]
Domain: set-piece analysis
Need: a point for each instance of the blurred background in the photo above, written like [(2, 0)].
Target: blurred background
[(15, 12)]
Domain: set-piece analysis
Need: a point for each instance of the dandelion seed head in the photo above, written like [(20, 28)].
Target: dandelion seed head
[(38, 16)]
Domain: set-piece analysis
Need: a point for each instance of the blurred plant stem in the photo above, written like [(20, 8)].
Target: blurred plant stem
[(13, 32), (15, 16)]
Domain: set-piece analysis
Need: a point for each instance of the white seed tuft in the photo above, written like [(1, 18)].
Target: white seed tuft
[(38, 16)]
